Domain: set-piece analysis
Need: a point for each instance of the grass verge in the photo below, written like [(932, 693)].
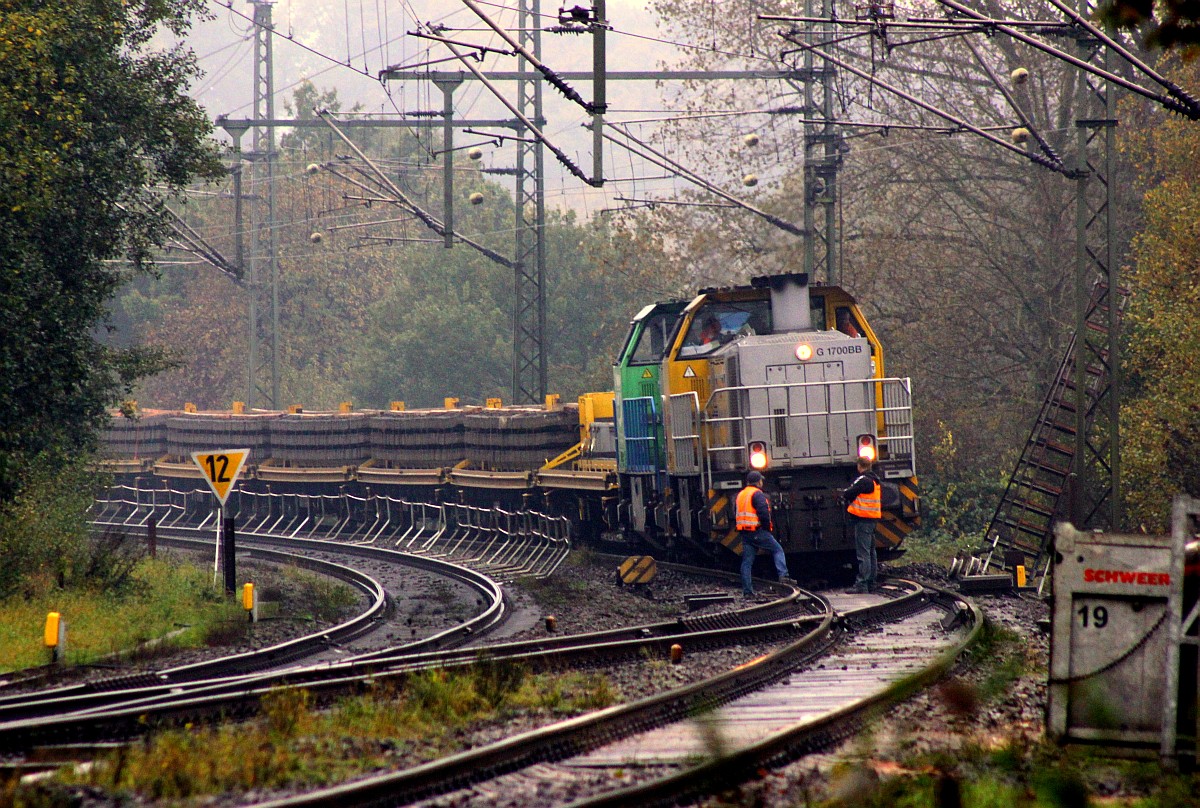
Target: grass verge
[(162, 597), (294, 745)]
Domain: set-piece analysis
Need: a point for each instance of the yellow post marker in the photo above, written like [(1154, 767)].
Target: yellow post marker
[(676, 653), (397, 406), (54, 635), (450, 403), (239, 408), (551, 622), (295, 409), (50, 637), (189, 406), (553, 402), (250, 601), (346, 406), (493, 404), (1021, 576)]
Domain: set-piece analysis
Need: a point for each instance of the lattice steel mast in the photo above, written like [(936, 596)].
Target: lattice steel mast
[(529, 252), (263, 281)]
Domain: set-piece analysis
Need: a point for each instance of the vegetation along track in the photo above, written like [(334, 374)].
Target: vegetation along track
[(235, 673), (817, 688), (134, 711), (565, 759)]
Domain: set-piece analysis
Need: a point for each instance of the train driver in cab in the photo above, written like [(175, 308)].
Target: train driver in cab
[(845, 323), (705, 340)]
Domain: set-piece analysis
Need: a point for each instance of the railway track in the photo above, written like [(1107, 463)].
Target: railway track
[(115, 690), (118, 714), (280, 654), (810, 693), (837, 659)]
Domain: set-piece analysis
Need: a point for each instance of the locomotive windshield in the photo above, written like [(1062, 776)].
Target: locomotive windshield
[(719, 323)]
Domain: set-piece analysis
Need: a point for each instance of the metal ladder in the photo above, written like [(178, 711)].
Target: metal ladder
[(1033, 500)]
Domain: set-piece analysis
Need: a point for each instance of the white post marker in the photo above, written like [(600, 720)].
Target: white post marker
[(221, 467)]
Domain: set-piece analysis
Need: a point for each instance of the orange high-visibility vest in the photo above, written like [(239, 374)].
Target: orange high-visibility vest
[(747, 517), (868, 506)]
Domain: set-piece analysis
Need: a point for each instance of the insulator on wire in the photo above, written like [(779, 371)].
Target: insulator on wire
[(1019, 76), (475, 153), (750, 180), (1020, 135)]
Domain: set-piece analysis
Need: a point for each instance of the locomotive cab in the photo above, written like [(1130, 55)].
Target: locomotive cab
[(641, 456), (795, 377)]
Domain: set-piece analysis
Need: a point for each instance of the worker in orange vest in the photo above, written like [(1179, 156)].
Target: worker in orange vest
[(754, 525), (864, 507)]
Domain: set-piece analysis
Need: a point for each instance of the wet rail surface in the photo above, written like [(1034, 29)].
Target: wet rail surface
[(392, 576), (867, 651)]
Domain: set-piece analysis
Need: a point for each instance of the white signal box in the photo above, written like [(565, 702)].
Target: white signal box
[(1115, 642)]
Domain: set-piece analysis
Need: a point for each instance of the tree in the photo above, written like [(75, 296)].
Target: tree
[(98, 133), (1166, 24), (954, 245), (372, 307), (1160, 419)]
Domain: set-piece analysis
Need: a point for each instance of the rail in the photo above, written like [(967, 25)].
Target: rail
[(590, 731)]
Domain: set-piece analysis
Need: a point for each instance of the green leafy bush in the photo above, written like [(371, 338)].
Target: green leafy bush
[(45, 537)]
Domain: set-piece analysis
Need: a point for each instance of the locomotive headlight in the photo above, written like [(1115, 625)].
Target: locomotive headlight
[(804, 352), (758, 455), (866, 447)]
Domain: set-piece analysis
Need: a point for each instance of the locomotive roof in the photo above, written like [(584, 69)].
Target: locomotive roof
[(764, 282)]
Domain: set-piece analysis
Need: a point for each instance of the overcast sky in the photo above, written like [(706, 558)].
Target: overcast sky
[(343, 46)]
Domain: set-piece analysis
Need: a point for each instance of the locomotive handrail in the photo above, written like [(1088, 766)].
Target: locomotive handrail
[(686, 406), (900, 445)]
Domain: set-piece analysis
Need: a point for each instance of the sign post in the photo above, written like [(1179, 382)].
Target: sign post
[(221, 467)]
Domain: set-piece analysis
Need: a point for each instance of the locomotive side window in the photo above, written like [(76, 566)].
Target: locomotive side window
[(653, 339), (816, 307)]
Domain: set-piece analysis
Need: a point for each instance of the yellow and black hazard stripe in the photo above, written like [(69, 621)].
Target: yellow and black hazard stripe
[(637, 570), (893, 527), (731, 540), (910, 500), (719, 511)]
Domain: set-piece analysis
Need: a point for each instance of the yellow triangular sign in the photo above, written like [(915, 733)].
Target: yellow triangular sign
[(688, 373), (221, 467), (646, 374)]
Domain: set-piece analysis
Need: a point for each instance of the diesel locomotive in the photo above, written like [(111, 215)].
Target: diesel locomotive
[(780, 375)]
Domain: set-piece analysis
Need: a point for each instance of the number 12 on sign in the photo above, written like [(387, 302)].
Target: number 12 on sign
[(221, 467)]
